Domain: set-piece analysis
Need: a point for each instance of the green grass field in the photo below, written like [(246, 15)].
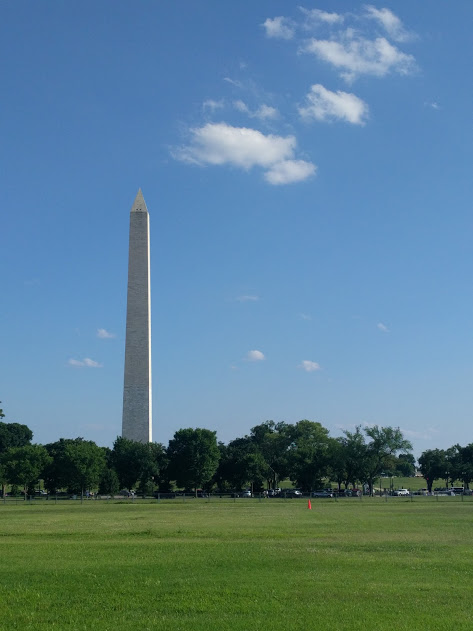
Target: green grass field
[(246, 565)]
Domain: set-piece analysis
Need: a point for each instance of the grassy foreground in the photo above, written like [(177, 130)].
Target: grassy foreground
[(245, 565)]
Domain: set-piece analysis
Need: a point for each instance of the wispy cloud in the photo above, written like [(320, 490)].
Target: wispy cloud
[(427, 434), (255, 356), (354, 55), (211, 105), (234, 82), (279, 28), (324, 105), (305, 316), (382, 327), (317, 16), (103, 334), (289, 171), (390, 22), (220, 143), (263, 112), (247, 298), (433, 104), (309, 366), (86, 362)]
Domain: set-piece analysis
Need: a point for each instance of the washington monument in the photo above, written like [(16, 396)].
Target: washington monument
[(136, 422)]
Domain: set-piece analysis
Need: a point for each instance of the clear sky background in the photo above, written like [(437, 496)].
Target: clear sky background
[(308, 173)]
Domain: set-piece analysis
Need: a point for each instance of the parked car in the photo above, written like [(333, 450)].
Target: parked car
[(322, 493), (246, 493), (293, 493), (401, 493)]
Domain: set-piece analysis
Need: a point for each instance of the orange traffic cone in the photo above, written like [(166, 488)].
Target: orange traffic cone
[(309, 505)]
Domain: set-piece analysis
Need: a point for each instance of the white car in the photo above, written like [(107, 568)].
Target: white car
[(401, 492)]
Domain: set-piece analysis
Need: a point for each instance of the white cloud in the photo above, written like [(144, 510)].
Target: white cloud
[(212, 105), (279, 27), (219, 143), (86, 362), (427, 434), (355, 55), (305, 316), (433, 104), (323, 105), (390, 22), (309, 366), (266, 111), (255, 356), (234, 82), (241, 106), (248, 298), (289, 171), (104, 334), (382, 327), (263, 112), (317, 15)]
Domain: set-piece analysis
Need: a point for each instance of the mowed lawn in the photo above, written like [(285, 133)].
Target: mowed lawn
[(244, 565)]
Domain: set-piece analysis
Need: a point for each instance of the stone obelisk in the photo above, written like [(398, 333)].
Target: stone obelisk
[(136, 423)]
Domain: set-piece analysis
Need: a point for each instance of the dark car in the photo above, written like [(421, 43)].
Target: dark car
[(293, 493), (322, 493)]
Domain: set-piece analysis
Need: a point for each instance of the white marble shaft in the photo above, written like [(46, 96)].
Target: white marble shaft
[(136, 422)]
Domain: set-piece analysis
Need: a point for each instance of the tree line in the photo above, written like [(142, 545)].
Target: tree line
[(303, 452)]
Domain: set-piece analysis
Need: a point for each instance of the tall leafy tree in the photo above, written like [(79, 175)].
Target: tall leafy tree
[(272, 441), (25, 465), (356, 455), (308, 454), (241, 464), (433, 465), (463, 463), (76, 465), (138, 463), (193, 457), (405, 465), (12, 435), (385, 444)]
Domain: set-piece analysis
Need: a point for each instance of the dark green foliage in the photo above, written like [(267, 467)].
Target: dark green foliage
[(405, 465), (193, 457), (25, 465), (272, 441), (308, 455), (241, 464), (108, 483), (138, 463), (14, 435), (77, 465), (432, 465)]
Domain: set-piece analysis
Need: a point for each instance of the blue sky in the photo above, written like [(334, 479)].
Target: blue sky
[(307, 169)]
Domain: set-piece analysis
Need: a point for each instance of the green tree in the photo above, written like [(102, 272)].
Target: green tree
[(463, 463), (25, 465), (77, 465), (138, 463), (272, 441), (308, 454), (355, 448), (85, 463), (12, 435), (386, 443), (405, 465), (432, 465), (193, 457), (241, 464), (108, 482)]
